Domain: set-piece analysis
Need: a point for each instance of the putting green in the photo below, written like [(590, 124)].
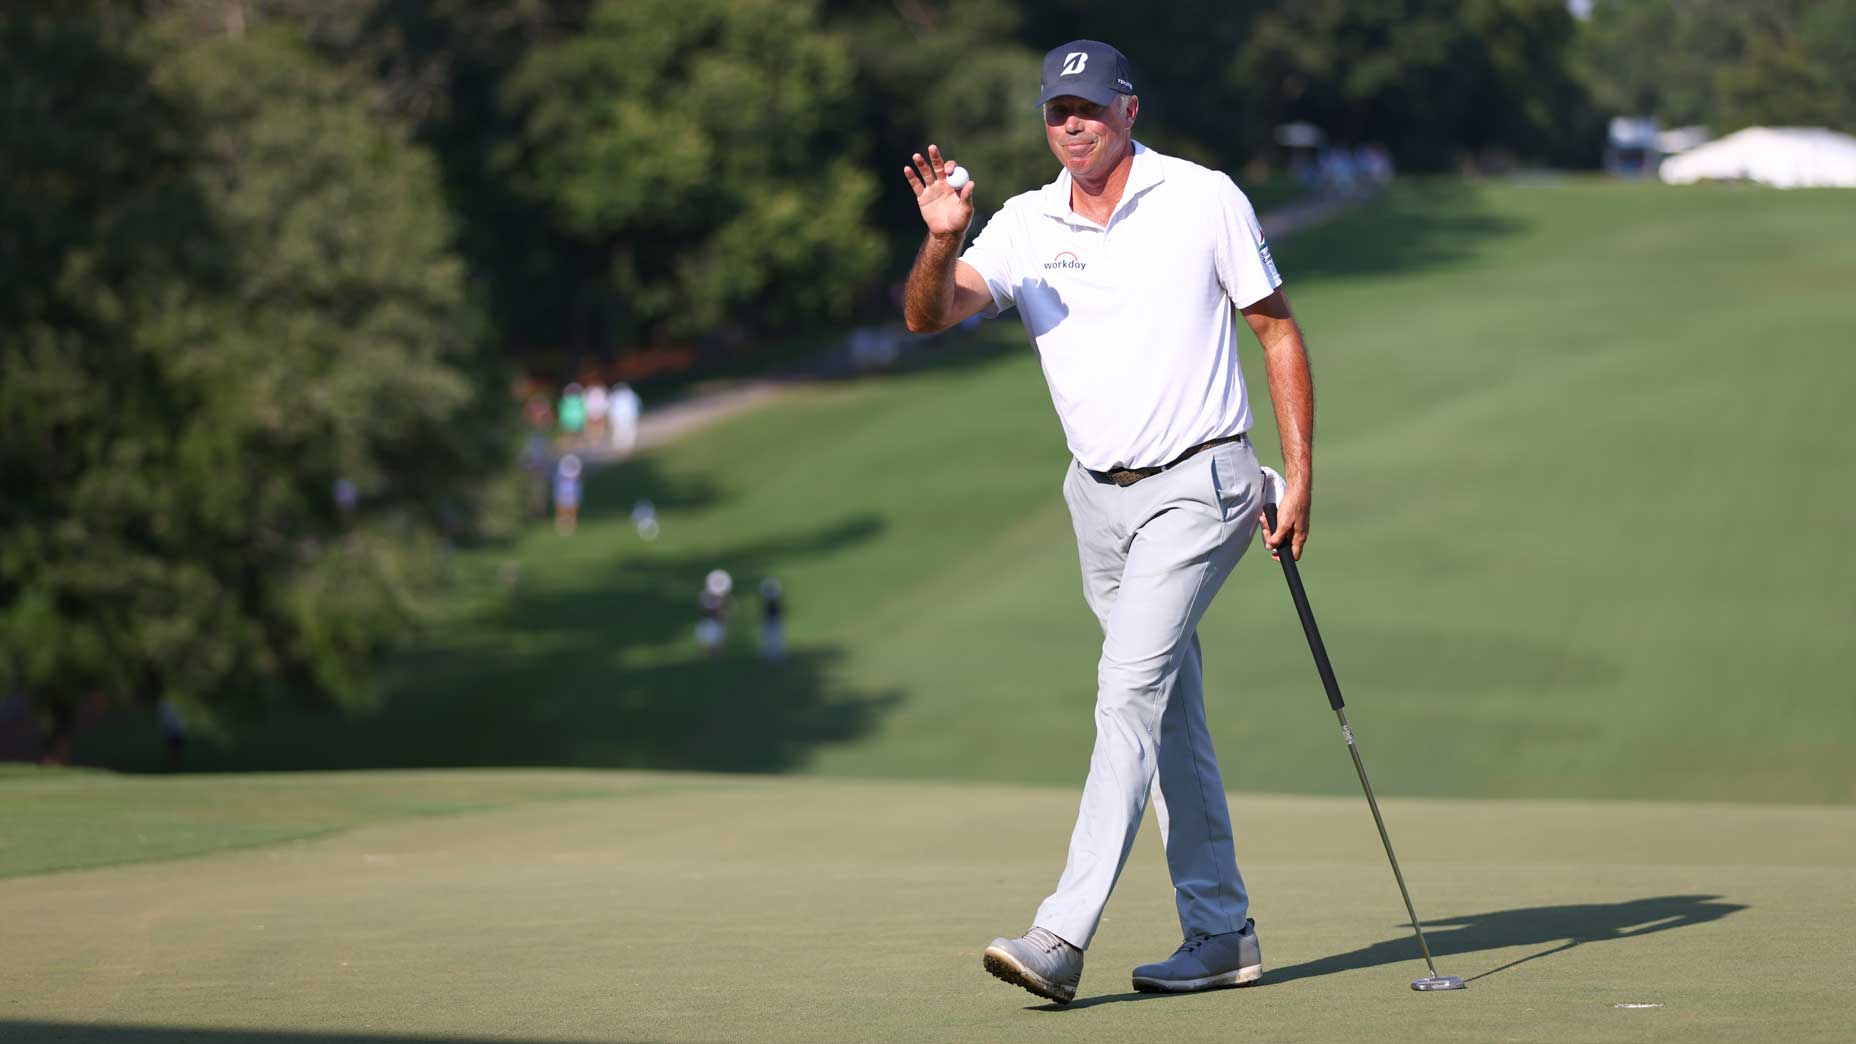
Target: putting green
[(692, 908)]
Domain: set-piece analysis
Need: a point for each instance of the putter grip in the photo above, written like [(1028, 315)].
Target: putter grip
[(1316, 647)]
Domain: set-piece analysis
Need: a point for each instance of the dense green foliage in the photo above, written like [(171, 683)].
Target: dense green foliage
[(1434, 79), (628, 173), (695, 147), (1725, 63), (227, 289), (631, 173), (597, 152)]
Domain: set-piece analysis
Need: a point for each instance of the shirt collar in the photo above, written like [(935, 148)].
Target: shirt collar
[(1148, 170)]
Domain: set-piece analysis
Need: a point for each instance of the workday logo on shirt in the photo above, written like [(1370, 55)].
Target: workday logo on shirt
[(1065, 259)]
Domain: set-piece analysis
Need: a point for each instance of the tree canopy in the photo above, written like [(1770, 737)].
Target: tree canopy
[(629, 172), (1435, 80), (1724, 63), (228, 290), (697, 147)]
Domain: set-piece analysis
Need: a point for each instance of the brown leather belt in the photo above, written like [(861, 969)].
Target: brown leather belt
[(1129, 476)]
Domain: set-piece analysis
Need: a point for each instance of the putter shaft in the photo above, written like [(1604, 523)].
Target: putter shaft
[(1328, 681)]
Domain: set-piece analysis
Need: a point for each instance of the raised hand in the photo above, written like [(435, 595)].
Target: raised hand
[(946, 211)]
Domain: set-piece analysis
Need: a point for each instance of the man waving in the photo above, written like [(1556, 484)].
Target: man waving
[(1128, 271)]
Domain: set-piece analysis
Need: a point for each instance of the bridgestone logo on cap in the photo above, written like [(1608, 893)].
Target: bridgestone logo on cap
[(1074, 61)]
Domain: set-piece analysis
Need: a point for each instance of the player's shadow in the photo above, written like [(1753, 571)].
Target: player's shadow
[(1559, 928), (1562, 926)]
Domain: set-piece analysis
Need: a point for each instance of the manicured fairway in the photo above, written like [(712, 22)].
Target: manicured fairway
[(693, 908)]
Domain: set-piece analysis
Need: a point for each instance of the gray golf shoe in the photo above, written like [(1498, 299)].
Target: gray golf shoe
[(1040, 962), (1206, 962)]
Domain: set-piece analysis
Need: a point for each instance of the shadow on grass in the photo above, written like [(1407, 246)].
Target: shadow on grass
[(586, 660), (1563, 926), (1416, 224), (21, 1031)]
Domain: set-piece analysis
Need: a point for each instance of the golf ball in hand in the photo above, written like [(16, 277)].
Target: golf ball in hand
[(958, 179)]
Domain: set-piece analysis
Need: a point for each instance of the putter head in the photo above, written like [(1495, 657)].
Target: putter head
[(1273, 486), (1438, 982)]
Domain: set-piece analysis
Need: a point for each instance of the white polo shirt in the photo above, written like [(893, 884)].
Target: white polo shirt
[(1134, 322)]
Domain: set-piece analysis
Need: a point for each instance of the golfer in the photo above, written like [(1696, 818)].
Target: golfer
[(1125, 271)]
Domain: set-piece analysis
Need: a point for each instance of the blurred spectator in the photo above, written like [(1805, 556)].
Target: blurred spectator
[(644, 519), (572, 412), (1376, 162), (1301, 144), (567, 495), (875, 347), (712, 611), (538, 463), (1339, 175), (622, 410), (346, 494), (1630, 146), (173, 730), (538, 413), (596, 403), (772, 620)]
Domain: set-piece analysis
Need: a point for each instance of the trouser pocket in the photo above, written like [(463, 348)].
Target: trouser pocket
[(1237, 480)]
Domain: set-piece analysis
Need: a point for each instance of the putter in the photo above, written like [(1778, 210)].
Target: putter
[(1273, 493)]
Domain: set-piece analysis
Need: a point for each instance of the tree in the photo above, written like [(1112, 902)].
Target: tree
[(229, 294), (950, 74), (698, 149), (439, 67), (1434, 80), (1724, 63)]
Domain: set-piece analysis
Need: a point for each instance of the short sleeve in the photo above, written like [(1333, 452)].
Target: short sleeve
[(992, 254), (1244, 263)]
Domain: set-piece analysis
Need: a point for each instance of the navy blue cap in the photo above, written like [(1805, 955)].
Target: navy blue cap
[(1088, 69)]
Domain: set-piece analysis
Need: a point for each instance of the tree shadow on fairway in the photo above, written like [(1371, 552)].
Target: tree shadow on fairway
[(1417, 224), (21, 1031), (585, 657), (1563, 926)]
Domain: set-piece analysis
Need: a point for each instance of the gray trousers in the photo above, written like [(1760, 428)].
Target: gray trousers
[(1153, 556)]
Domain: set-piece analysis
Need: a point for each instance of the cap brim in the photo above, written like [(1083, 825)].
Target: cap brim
[(1098, 94)]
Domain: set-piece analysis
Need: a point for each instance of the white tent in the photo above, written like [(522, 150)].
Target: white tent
[(1786, 157)]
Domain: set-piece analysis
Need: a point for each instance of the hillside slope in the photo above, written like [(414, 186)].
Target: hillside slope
[(1581, 498)]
